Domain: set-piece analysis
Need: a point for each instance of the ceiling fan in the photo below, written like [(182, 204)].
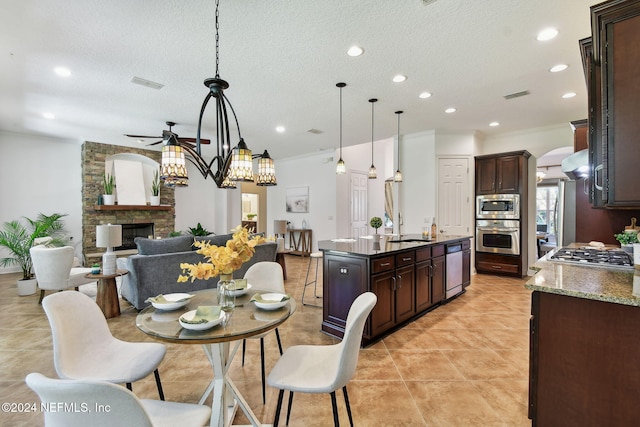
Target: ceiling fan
[(167, 134)]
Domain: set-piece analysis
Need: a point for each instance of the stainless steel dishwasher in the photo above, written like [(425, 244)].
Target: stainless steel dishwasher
[(454, 270)]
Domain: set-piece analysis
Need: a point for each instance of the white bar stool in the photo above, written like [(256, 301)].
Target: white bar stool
[(318, 257)]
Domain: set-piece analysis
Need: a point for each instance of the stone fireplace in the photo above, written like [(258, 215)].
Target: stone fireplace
[(158, 221)]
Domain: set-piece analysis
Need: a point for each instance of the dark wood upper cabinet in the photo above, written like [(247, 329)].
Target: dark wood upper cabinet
[(499, 174), (612, 67)]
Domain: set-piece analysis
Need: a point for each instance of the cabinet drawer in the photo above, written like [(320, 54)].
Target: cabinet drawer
[(437, 251), (423, 254), (496, 266), (382, 264), (405, 258)]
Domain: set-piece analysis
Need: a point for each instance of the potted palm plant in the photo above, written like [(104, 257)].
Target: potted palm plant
[(155, 190), (108, 184), (18, 238)]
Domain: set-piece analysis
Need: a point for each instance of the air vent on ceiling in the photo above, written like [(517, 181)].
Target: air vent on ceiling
[(517, 94), (315, 131), (147, 83)]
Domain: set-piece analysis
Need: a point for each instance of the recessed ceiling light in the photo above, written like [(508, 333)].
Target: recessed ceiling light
[(425, 95), (547, 34), (450, 110), (355, 51), (62, 71), (569, 95), (493, 124), (399, 78), (49, 116), (558, 68), (280, 129)]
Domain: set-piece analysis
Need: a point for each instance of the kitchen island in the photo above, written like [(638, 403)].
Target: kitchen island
[(584, 348), (409, 275)]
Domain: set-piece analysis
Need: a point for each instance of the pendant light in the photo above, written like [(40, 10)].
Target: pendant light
[(341, 169), (372, 169), (398, 176)]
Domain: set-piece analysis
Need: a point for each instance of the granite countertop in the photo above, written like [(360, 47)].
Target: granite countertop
[(608, 284), (366, 245)]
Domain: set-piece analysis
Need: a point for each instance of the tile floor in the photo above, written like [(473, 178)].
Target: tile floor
[(463, 364)]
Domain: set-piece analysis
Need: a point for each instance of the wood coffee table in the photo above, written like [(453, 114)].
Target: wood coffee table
[(107, 297)]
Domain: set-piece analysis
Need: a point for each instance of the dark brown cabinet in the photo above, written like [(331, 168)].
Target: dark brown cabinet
[(407, 283), (498, 174), (611, 59), (466, 264), (583, 362), (504, 173)]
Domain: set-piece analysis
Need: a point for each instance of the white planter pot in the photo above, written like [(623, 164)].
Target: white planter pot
[(27, 287), (109, 199), (154, 201)]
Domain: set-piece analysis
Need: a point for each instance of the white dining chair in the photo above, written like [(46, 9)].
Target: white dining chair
[(267, 276), (55, 271), (83, 347), (323, 368), (81, 403)]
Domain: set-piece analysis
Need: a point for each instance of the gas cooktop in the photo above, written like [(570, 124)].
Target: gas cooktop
[(594, 257)]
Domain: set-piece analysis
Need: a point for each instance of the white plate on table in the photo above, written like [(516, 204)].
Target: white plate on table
[(238, 292), (199, 326), (275, 304), (174, 301)]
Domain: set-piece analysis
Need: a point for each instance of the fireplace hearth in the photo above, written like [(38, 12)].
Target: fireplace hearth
[(131, 231)]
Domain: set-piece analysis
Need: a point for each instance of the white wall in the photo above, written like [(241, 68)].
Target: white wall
[(318, 172), (536, 141), (40, 175)]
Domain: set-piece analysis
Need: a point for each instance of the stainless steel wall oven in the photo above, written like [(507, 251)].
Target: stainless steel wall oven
[(498, 206), (498, 236)]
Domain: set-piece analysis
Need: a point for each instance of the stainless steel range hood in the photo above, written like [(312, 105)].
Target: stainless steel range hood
[(576, 166)]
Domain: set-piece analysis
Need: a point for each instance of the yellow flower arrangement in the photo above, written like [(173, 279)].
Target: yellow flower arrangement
[(221, 259)]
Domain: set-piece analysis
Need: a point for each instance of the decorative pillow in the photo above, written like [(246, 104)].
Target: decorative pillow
[(163, 246), (218, 240)]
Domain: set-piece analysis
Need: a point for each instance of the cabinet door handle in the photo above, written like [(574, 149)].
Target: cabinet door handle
[(385, 264), (399, 281), (406, 259), (394, 283), (497, 267), (430, 274), (595, 174)]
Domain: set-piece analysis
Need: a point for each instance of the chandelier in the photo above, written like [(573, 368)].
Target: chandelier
[(229, 165)]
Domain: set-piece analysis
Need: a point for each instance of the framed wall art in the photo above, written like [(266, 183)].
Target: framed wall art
[(297, 199)]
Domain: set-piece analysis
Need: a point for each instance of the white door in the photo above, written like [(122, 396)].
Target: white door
[(358, 204), (454, 206)]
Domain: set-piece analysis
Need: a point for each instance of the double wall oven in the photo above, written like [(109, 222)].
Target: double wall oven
[(498, 224)]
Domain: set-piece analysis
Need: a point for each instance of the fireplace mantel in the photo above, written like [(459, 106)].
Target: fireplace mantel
[(131, 208)]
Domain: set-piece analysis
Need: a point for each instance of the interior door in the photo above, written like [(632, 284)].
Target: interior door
[(454, 205), (358, 204)]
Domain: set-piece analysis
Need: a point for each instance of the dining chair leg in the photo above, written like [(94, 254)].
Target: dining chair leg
[(264, 393), (277, 417), (279, 342), (244, 347), (159, 384), (289, 406), (346, 402), (334, 404), (41, 296), (129, 387)]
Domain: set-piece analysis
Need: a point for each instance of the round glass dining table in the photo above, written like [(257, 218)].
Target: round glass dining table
[(245, 321)]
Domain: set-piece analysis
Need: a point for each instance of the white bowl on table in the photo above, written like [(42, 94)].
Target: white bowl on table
[(271, 301), (199, 326), (174, 301), (238, 292)]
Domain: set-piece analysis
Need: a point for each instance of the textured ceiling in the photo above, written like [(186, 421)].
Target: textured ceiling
[(282, 59)]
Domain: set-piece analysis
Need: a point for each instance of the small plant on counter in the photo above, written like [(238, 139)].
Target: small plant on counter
[(375, 222), (627, 238)]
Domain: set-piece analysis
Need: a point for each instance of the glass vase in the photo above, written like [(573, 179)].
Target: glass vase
[(226, 296)]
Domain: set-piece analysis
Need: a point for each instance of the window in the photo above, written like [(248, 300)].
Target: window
[(546, 203)]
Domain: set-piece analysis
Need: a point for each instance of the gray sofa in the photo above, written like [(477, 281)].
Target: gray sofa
[(156, 267)]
